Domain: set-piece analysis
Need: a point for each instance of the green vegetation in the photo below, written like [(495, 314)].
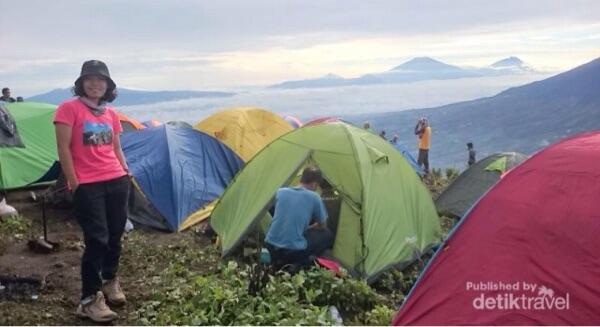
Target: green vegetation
[(11, 225), (13, 228), (173, 279), (190, 285), (451, 174), (194, 287), (223, 298)]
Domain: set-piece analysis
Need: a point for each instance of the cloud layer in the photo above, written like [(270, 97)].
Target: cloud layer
[(220, 44)]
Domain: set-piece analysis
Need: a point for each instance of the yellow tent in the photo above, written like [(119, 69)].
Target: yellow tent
[(246, 130)]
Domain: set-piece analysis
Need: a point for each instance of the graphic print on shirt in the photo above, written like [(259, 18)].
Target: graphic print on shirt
[(97, 133)]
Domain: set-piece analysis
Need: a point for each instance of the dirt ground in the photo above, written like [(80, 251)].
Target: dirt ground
[(54, 300)]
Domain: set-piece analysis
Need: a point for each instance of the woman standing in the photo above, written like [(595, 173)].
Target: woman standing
[(89, 150)]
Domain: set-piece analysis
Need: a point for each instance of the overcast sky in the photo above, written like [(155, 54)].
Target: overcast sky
[(209, 45)]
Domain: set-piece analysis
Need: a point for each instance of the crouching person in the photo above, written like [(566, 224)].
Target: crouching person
[(87, 135), (291, 238)]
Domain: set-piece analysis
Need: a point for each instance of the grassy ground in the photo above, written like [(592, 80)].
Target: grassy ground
[(180, 279)]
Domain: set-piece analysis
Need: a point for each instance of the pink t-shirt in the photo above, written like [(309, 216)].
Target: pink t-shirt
[(91, 145)]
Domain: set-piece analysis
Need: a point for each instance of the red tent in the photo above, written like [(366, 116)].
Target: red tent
[(528, 253), (322, 120), (294, 121)]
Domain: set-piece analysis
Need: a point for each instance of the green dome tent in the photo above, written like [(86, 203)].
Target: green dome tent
[(27, 164), (459, 196), (387, 217)]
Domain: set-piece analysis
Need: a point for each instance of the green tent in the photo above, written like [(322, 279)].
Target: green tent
[(26, 164), (462, 194), (387, 217), (498, 165)]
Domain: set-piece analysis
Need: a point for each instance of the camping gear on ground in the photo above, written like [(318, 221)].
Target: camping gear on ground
[(467, 188), (330, 264), (58, 194), (335, 316), (6, 210), (178, 173), (19, 288), (265, 256), (526, 253), (387, 217), (22, 166), (43, 245), (128, 226), (245, 130)]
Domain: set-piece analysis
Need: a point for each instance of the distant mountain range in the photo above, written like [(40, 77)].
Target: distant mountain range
[(524, 118), (416, 69), (128, 97)]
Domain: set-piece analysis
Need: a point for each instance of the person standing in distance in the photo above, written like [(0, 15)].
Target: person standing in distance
[(423, 133), (471, 154)]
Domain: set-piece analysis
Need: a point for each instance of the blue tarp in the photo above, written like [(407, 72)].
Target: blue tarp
[(411, 160), (179, 169)]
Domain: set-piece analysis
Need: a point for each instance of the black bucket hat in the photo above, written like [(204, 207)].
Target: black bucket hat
[(96, 67)]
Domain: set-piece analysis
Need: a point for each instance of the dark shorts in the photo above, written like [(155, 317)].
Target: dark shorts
[(318, 240)]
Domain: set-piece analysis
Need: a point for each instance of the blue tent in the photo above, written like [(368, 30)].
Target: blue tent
[(178, 171), (411, 160)]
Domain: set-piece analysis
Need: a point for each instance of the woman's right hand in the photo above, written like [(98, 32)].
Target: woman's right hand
[(73, 186)]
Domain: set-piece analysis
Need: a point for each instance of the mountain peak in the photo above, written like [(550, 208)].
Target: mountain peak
[(508, 62), (422, 60), (424, 64)]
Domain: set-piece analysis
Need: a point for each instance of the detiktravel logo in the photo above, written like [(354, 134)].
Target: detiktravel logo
[(519, 295)]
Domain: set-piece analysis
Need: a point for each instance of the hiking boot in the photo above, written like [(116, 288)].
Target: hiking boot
[(113, 292), (95, 308)]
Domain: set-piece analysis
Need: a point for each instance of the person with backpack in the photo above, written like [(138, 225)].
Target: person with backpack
[(423, 133), (89, 150)]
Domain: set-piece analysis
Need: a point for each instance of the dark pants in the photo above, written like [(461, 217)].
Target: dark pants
[(424, 159), (318, 240), (101, 210)]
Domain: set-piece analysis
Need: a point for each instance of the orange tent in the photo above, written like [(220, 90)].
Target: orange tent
[(129, 124), (151, 123)]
